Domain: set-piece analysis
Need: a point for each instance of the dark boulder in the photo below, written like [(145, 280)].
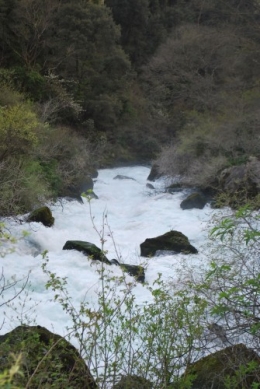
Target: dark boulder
[(133, 382), (230, 363), (172, 241), (42, 215), (87, 248), (134, 270), (48, 360), (150, 186), (194, 200), (154, 173), (120, 177), (174, 188), (95, 253), (81, 185)]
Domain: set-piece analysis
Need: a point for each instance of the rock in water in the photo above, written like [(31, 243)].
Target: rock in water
[(42, 215), (171, 241), (154, 173), (87, 248), (120, 177), (194, 200), (133, 382)]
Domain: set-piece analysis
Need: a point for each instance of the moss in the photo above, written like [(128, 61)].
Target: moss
[(48, 360), (42, 215)]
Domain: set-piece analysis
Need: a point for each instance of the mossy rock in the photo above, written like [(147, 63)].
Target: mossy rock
[(194, 200), (171, 241), (136, 271), (231, 363), (42, 215), (48, 360), (133, 382), (87, 248)]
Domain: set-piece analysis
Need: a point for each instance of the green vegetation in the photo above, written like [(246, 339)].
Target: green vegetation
[(126, 79)]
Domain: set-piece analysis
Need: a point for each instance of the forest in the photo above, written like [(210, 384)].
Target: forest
[(88, 84)]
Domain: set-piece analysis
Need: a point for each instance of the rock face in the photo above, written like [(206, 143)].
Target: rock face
[(133, 382), (242, 180), (60, 365), (42, 215), (213, 370), (87, 248), (194, 200), (172, 241)]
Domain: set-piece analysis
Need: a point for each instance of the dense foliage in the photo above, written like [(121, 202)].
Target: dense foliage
[(130, 76)]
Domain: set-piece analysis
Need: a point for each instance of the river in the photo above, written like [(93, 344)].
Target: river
[(128, 212)]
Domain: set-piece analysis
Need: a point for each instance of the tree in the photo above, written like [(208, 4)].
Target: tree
[(18, 125), (25, 34)]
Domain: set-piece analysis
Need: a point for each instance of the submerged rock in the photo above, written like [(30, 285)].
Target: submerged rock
[(87, 248), (42, 215), (194, 200), (48, 360), (174, 188), (171, 241), (133, 382), (213, 370), (136, 271), (120, 177)]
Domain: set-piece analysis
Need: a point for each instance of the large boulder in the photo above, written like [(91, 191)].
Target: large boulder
[(194, 200), (241, 182), (154, 173), (230, 363), (42, 215), (87, 248), (171, 241), (81, 185), (48, 360)]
